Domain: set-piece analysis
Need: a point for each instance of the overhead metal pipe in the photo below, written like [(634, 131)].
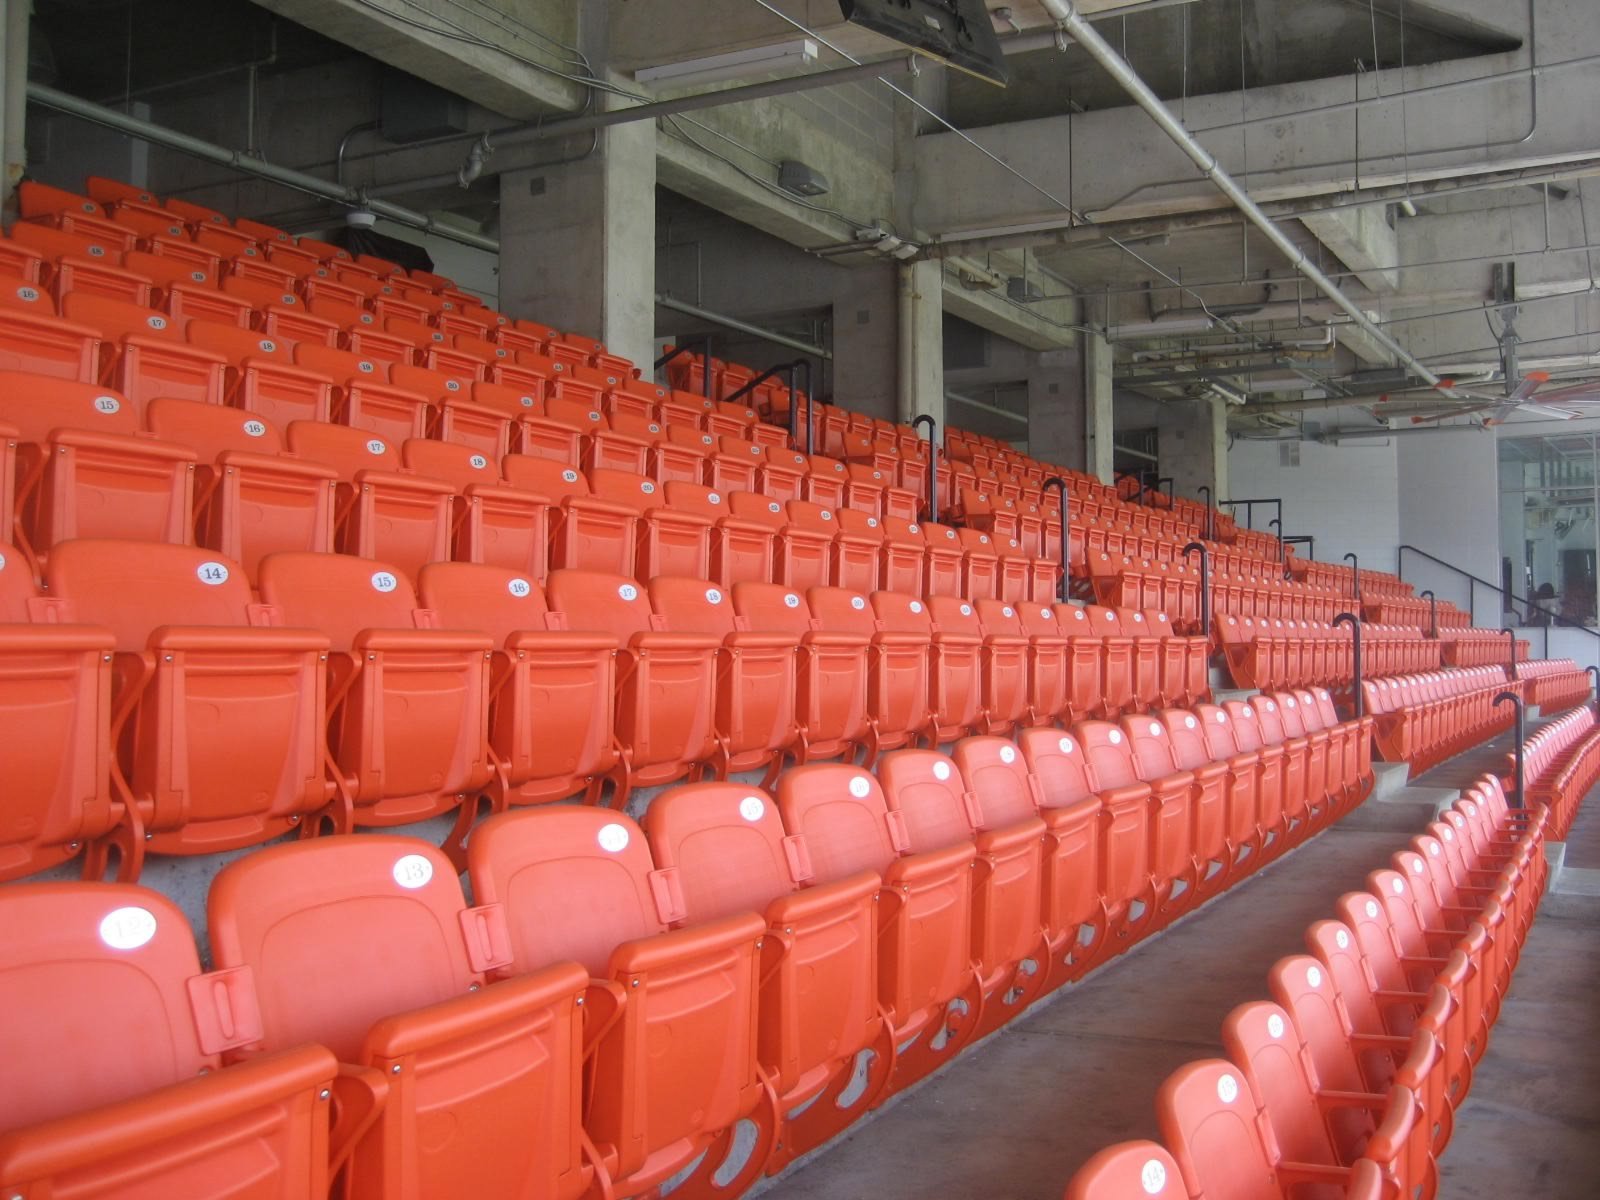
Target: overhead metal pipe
[(1074, 23), (738, 326), (249, 164)]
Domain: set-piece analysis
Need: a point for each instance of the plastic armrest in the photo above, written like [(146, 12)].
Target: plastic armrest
[(684, 945), (235, 638), (421, 639)]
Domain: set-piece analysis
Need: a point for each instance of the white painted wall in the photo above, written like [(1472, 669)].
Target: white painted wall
[(1344, 496), (1450, 507)]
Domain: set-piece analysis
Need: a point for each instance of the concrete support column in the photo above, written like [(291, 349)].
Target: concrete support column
[(1099, 439), (13, 99), (577, 243), (921, 342), (1192, 446), (1057, 424)]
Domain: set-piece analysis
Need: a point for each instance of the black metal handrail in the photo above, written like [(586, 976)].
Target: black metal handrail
[(1204, 552), (1060, 484), (1474, 583), (933, 463), (1357, 696), (1518, 795), (700, 343), (1250, 507)]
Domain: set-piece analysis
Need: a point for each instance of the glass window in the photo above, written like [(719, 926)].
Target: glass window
[(1547, 527)]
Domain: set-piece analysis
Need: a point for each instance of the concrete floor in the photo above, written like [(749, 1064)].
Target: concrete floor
[(1014, 1118)]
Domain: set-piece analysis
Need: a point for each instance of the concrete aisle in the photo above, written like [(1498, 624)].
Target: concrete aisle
[(1015, 1118)]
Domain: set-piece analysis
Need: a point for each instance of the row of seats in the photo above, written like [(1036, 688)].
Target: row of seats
[(1346, 1082), (1561, 763), (1553, 685), (229, 703), (1375, 585), (758, 945), (1421, 720), (1113, 580), (1416, 613), (1478, 647), (1258, 652)]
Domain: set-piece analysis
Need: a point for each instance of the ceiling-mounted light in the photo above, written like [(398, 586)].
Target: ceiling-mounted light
[(737, 64), (1168, 327)]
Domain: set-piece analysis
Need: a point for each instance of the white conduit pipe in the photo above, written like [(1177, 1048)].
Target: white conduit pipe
[(1066, 13)]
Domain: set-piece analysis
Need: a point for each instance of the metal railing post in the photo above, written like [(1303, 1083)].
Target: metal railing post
[(1211, 514), (933, 463), (1205, 584), (1511, 636), (1060, 484), (1433, 610), (1594, 675), (1517, 795), (1355, 576), (1359, 698)]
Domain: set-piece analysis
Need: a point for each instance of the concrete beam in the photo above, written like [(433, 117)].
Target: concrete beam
[(1317, 138), (1364, 241), (481, 51)]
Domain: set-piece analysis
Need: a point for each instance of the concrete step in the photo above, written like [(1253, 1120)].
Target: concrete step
[(1397, 805)]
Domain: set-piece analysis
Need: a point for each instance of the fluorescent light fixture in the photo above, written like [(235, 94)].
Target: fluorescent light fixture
[(1156, 329), (737, 64)]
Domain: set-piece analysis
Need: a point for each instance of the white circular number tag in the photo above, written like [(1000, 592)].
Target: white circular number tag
[(211, 573), (1153, 1177), (1008, 754), (1227, 1089), (790, 600), (628, 592), (916, 606), (1314, 976), (107, 405), (254, 429), (860, 788), (941, 771), (478, 461), (382, 581), (375, 446), (519, 587), (412, 871), (613, 838), (857, 603), (751, 808), (127, 928), (1275, 1025), (569, 477)]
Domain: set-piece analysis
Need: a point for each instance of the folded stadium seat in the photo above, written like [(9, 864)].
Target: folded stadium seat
[(830, 707), (1227, 783), (1003, 662), (83, 470), (193, 214), (452, 361), (727, 420), (637, 397), (857, 551), (1303, 766), (980, 565), (219, 730), (86, 1113), (781, 473), (740, 550), (57, 208), (902, 567), (689, 994), (1049, 662), (261, 376), (1240, 727), (666, 682), (394, 402), (350, 908), (1220, 1136), (492, 523), (1086, 657), (1185, 662), (825, 483), (34, 339), (281, 251), (954, 665), (1342, 781), (809, 549), (279, 312), (587, 531), (407, 701), (1146, 660), (250, 263), (392, 302), (1204, 834), (486, 422), (598, 356), (186, 292), (251, 499), (943, 560), (557, 430), (864, 490), (1014, 574), (1261, 1039), (520, 335), (550, 721), (1139, 1170), (1118, 661), (756, 674), (224, 240), (726, 853), (735, 465), (143, 353), (381, 512), (89, 263), (57, 753), (669, 541)]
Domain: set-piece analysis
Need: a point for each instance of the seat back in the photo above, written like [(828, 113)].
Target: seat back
[(1152, 748), (1128, 1171), (211, 429), (1111, 761), (492, 600), (320, 923), (338, 594), (132, 588), (841, 814), (997, 775), (68, 947), (1056, 759), (928, 792), (34, 405), (692, 606), (1261, 1038), (574, 883), (1186, 738), (726, 847), (347, 451), (1212, 1119), (591, 600)]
